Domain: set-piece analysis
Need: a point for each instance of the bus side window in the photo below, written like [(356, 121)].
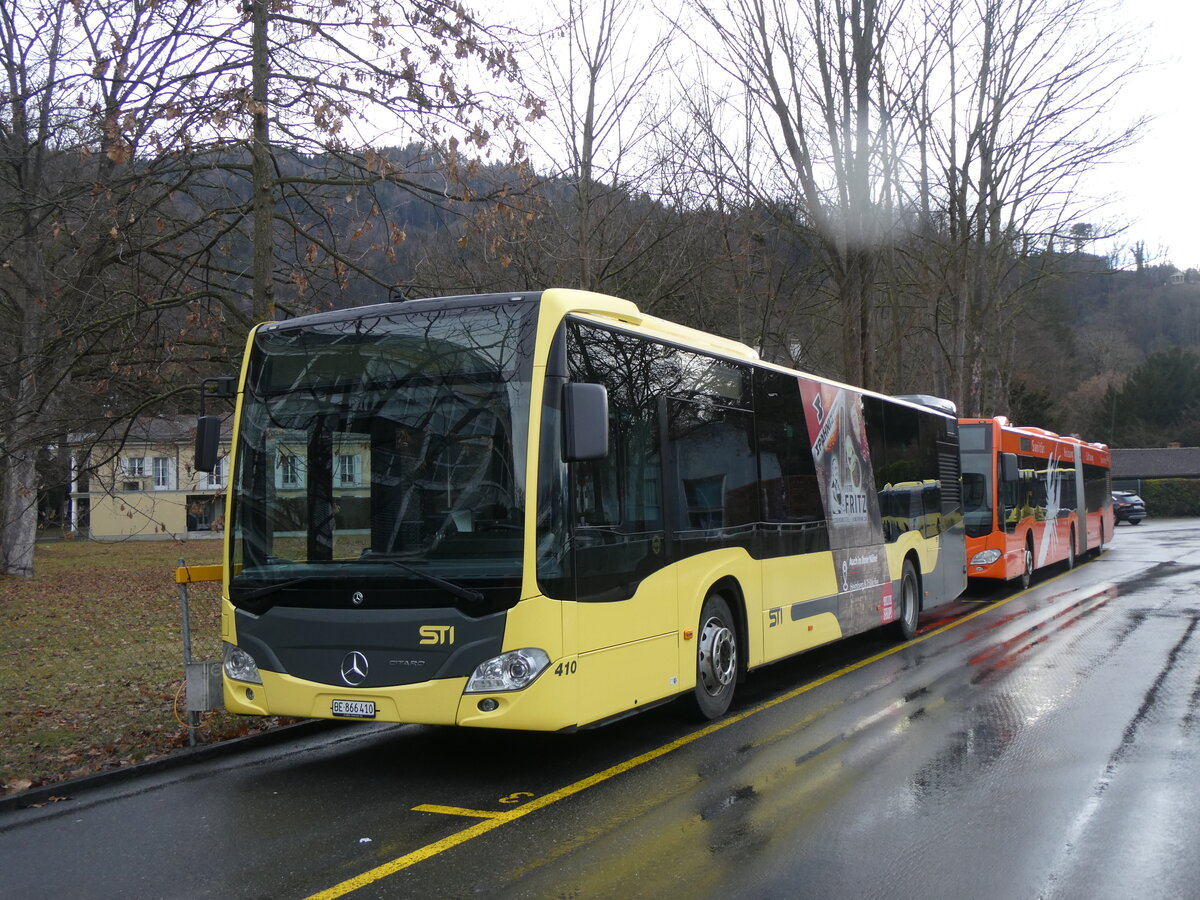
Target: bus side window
[(617, 524), (792, 514), (716, 492)]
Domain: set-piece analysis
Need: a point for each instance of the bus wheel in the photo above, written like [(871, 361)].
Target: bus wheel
[(716, 658), (1071, 552), (1027, 571), (910, 603)]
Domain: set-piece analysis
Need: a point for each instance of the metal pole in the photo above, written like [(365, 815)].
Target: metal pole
[(193, 718)]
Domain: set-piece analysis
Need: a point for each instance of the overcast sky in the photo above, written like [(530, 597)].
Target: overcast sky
[(1158, 182)]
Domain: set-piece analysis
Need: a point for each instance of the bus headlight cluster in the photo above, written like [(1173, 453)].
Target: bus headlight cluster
[(240, 665), (985, 557), (510, 671)]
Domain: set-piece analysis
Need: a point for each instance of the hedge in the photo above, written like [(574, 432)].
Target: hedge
[(1172, 496)]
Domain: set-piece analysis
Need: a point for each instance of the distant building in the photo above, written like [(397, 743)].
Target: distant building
[(147, 487), (1132, 465)]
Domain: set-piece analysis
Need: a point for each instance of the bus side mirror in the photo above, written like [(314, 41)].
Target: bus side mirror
[(1010, 470), (208, 428), (585, 422), (208, 442)]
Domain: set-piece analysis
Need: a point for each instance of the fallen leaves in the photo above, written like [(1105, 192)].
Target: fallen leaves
[(91, 657)]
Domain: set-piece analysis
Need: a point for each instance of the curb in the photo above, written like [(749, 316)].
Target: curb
[(64, 789)]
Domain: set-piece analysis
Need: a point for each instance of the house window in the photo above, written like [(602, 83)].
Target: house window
[(135, 466), (348, 470), (162, 473), (291, 471), (218, 477)]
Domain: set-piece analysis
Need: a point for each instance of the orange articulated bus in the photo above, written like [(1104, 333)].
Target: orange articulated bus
[(1031, 498)]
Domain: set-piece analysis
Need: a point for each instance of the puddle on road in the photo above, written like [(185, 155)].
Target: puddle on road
[(1152, 578)]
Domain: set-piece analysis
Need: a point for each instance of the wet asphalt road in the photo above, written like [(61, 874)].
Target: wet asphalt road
[(1037, 744)]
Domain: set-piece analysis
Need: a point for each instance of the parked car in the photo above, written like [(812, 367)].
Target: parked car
[(1128, 507)]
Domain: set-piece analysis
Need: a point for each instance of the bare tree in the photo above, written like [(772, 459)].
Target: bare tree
[(932, 146), (599, 67), (334, 83), (815, 74), (89, 310), (761, 279), (149, 145), (1007, 104)]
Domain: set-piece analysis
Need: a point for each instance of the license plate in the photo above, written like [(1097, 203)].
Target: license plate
[(354, 709)]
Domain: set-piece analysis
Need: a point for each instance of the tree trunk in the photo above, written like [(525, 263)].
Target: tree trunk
[(261, 174), (18, 473), (19, 514)]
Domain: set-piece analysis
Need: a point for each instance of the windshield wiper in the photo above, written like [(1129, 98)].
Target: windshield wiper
[(272, 588), (457, 590), (462, 593)]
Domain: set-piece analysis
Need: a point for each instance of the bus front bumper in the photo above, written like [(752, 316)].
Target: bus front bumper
[(548, 704)]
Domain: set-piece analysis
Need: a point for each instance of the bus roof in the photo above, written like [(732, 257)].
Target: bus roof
[(1033, 433), (601, 307)]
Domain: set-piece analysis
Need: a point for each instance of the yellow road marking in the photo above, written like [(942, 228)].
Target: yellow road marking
[(495, 820), (517, 797), (457, 811)]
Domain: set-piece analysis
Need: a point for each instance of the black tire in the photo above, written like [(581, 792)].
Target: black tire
[(1027, 571), (716, 658), (909, 602), (1135, 521), (1071, 552)]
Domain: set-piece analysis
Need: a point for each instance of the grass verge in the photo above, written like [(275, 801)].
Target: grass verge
[(91, 660)]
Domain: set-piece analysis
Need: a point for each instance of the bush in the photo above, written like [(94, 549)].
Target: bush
[(1172, 496)]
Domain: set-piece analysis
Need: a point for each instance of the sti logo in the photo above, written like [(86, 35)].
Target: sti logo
[(437, 634)]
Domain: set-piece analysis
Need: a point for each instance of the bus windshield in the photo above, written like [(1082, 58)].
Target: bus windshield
[(389, 447), (976, 453)]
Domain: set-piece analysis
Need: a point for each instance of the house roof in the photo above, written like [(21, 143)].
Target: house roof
[(1156, 462), (153, 430)]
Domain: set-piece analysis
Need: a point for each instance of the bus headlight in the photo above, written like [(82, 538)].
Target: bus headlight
[(510, 671), (240, 665), (985, 557)]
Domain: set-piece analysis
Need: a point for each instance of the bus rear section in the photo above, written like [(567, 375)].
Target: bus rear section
[(1031, 498)]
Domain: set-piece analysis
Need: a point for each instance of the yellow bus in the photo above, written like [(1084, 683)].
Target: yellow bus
[(548, 510)]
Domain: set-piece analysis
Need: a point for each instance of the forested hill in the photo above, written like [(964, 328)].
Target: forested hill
[(1077, 328), (1112, 354)]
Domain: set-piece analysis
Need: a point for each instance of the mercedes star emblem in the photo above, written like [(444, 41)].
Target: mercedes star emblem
[(354, 669), (357, 599)]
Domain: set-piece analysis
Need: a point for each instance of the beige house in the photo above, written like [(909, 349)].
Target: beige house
[(148, 487)]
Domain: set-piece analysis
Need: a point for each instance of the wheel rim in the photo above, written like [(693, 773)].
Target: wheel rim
[(910, 603), (718, 656)]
